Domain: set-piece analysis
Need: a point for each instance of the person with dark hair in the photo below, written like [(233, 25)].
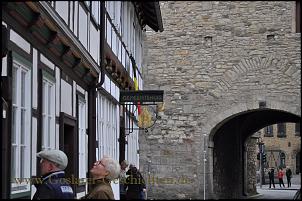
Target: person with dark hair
[(135, 184), (123, 176), (271, 177), (280, 177), (288, 174)]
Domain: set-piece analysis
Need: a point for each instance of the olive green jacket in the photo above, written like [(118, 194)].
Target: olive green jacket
[(102, 190)]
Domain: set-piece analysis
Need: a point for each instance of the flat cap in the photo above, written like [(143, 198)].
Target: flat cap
[(56, 156)]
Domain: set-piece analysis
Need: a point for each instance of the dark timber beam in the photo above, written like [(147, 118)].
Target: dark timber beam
[(36, 21), (76, 63), (86, 73), (53, 39), (65, 53)]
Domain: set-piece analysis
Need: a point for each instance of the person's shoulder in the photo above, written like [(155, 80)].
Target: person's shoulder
[(102, 192), (45, 192)]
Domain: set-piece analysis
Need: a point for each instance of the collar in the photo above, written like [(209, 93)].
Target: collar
[(102, 181), (58, 174)]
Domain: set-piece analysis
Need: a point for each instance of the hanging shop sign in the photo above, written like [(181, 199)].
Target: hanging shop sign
[(148, 103), (142, 96)]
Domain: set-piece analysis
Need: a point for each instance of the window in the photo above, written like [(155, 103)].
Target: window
[(95, 11), (132, 146), (297, 129), (268, 131), (125, 22), (281, 130), (87, 3), (62, 8), (48, 113), (52, 3), (117, 15), (107, 128), (83, 139), (76, 18), (21, 126), (282, 160), (83, 26), (108, 32)]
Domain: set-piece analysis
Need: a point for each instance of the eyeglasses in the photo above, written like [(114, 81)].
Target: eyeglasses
[(98, 163), (42, 160)]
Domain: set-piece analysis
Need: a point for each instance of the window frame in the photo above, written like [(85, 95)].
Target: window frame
[(48, 138), (95, 19), (83, 137), (281, 130), (21, 171), (107, 124), (268, 131), (297, 129), (282, 160), (86, 11), (67, 22)]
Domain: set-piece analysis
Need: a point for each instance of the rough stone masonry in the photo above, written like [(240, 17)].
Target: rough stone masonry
[(213, 60)]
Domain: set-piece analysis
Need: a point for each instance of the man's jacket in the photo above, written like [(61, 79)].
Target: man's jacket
[(53, 186)]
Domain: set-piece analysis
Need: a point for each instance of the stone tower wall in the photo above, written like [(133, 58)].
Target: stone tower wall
[(213, 60)]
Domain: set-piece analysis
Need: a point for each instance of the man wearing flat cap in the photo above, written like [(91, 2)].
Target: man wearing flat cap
[(54, 185)]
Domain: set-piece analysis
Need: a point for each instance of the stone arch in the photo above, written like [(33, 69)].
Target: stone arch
[(235, 125), (217, 119), (246, 65)]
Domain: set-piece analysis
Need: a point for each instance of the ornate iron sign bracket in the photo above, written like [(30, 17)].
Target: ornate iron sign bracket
[(145, 102)]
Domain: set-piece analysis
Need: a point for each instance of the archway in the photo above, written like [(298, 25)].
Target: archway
[(228, 139)]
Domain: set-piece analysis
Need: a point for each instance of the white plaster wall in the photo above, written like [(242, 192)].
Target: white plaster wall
[(94, 43), (80, 89), (35, 79), (58, 89), (62, 10), (74, 99), (66, 97), (34, 146), (116, 190), (47, 62), (4, 66), (19, 41), (57, 145), (33, 152)]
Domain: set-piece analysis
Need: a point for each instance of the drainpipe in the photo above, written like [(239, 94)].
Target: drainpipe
[(92, 95), (102, 45)]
